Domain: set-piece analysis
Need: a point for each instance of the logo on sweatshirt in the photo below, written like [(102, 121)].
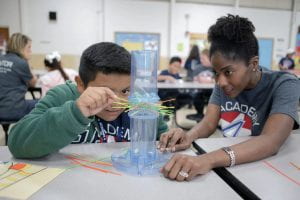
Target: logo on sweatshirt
[(237, 119), (106, 134)]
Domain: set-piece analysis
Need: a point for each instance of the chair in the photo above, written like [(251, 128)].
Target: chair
[(35, 89), (5, 124)]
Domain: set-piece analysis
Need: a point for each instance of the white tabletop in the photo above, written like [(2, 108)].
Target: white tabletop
[(81, 183), (271, 178), (185, 85)]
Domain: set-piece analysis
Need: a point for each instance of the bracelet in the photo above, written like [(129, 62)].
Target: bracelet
[(231, 154)]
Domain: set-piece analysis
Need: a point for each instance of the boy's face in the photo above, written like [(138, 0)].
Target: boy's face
[(119, 84), (175, 67)]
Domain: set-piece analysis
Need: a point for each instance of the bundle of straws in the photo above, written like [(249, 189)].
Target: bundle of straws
[(163, 110)]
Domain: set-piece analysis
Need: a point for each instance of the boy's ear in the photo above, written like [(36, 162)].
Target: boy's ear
[(80, 85)]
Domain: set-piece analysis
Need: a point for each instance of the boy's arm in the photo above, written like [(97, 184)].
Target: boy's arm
[(166, 78), (54, 123)]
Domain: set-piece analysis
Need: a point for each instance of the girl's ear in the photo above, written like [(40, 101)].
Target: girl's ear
[(80, 85), (254, 62)]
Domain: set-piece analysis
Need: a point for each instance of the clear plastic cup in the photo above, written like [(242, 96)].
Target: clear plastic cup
[(142, 158)]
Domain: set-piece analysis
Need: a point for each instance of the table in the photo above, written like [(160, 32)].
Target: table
[(272, 178), (185, 85), (82, 183)]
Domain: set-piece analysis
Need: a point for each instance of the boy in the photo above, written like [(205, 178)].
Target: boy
[(287, 63), (172, 73), (80, 114)]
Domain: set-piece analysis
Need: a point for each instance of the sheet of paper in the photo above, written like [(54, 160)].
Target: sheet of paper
[(21, 180)]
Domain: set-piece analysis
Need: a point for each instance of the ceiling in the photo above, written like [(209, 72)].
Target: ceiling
[(265, 4)]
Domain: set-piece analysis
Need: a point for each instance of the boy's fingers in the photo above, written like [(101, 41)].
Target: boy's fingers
[(103, 96), (110, 93), (94, 100)]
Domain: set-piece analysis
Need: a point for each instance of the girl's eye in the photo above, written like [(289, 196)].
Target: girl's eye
[(216, 74), (228, 73)]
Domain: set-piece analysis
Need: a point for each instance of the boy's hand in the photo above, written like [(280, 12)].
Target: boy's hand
[(95, 99), (174, 140)]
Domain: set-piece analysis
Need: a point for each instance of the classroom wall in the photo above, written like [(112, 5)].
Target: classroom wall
[(201, 17), (78, 25), (269, 24), (81, 23), (138, 16), (9, 15)]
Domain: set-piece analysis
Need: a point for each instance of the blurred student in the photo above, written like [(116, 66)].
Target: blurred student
[(287, 63), (56, 75), (204, 74), (80, 113), (192, 62), (172, 73), (15, 78)]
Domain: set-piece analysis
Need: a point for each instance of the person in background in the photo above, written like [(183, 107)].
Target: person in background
[(204, 74), (248, 100), (287, 63), (192, 62), (85, 112), (172, 73), (56, 75), (15, 78)]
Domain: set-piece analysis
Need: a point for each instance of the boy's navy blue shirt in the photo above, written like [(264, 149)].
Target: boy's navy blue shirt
[(167, 73), (106, 132)]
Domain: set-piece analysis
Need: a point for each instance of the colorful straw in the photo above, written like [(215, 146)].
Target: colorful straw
[(164, 110)]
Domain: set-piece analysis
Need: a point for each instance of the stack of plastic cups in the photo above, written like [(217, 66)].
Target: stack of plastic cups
[(142, 158)]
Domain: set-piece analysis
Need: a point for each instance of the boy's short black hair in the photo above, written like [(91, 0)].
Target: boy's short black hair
[(105, 57), (175, 59)]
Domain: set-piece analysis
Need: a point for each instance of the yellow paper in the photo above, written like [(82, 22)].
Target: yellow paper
[(132, 46), (21, 184)]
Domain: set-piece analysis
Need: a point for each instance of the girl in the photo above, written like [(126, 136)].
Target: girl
[(265, 103), (56, 74)]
